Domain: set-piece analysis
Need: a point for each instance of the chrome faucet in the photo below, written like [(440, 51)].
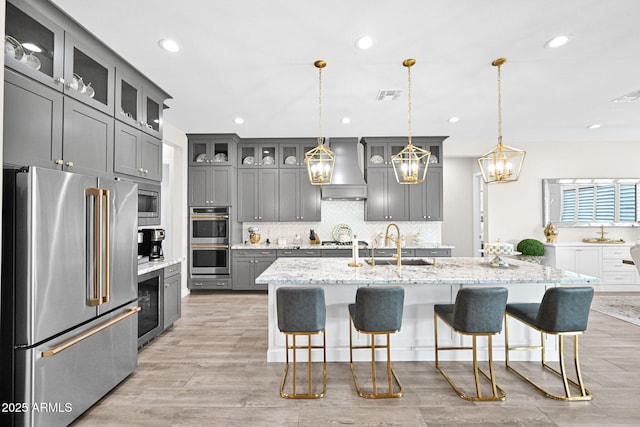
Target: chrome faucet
[(397, 240)]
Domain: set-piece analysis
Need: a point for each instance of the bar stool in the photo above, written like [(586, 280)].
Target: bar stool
[(302, 311), (563, 311), (377, 311), (476, 312)]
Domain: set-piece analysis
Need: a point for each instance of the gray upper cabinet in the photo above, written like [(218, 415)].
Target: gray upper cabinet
[(59, 102), (425, 200), (215, 150), (386, 199), (89, 73), (258, 195), (211, 186), (24, 24), (252, 155), (291, 154), (138, 102), (87, 140), (32, 122), (136, 153), (299, 200)]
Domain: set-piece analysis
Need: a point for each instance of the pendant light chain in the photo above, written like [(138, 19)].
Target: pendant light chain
[(409, 102), (499, 104), (320, 104)]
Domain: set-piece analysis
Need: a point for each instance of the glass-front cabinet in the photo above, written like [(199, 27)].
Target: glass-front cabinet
[(378, 154), (137, 103), (218, 150), (252, 155), (34, 45), (89, 73), (292, 153)]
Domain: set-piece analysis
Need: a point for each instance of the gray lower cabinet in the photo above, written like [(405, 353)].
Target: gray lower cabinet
[(433, 252), (218, 283), (172, 295), (136, 153), (246, 265), (87, 140), (211, 185), (258, 195), (32, 122), (386, 200), (425, 200), (299, 200)]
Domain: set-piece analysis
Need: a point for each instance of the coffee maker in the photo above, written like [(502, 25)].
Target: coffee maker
[(152, 243)]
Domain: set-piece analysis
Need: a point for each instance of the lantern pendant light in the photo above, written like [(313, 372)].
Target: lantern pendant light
[(502, 164), (320, 160), (410, 165)]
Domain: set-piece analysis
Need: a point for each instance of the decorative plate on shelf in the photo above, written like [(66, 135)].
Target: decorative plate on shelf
[(342, 233), (268, 160), (290, 160), (220, 157), (433, 159), (201, 157), (247, 160), (377, 159), (12, 47)]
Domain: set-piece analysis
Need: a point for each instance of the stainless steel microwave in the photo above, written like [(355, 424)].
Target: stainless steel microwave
[(148, 204)]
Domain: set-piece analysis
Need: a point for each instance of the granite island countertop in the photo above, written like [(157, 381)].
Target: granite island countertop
[(307, 246), (457, 270)]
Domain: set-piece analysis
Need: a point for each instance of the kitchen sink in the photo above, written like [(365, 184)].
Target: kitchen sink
[(393, 261)]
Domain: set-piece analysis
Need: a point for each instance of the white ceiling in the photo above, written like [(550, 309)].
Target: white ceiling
[(254, 59)]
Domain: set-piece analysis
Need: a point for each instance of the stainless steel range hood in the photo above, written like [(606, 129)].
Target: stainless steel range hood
[(347, 182)]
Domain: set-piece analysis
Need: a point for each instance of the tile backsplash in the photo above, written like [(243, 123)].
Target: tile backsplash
[(336, 212)]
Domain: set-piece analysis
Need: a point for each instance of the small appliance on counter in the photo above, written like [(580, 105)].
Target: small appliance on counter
[(152, 244)]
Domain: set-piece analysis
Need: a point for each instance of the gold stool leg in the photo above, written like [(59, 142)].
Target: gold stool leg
[(294, 347)]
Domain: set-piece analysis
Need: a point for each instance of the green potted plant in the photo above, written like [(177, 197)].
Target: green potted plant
[(531, 250)]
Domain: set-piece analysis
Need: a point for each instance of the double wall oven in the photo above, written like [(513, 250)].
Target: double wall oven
[(209, 239)]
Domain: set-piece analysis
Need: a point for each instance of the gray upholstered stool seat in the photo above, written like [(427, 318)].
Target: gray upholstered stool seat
[(377, 311), (476, 312), (562, 311), (302, 311)]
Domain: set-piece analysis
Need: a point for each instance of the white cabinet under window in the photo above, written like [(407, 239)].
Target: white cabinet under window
[(599, 260)]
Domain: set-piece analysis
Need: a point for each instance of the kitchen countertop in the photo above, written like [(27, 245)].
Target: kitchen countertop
[(459, 271), (264, 246), (148, 267)]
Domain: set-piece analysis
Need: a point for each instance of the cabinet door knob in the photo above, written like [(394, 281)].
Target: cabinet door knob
[(140, 170), (59, 81), (58, 161), (69, 164)]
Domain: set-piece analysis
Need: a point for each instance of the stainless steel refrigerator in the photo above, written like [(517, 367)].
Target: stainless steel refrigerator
[(69, 293)]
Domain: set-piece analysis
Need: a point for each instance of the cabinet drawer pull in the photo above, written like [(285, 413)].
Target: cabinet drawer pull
[(221, 284), (198, 284), (265, 253)]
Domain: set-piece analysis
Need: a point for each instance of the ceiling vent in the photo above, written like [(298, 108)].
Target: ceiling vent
[(630, 97), (389, 94)]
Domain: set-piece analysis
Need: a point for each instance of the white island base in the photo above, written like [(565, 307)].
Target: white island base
[(424, 286)]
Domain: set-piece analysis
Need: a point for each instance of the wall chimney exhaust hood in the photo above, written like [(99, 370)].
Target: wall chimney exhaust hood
[(347, 182)]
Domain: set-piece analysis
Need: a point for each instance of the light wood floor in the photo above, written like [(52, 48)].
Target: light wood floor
[(210, 369)]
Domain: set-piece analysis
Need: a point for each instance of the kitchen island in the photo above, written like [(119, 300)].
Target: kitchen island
[(425, 285)]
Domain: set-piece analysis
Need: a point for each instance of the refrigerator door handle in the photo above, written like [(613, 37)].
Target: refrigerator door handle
[(100, 250), (83, 336)]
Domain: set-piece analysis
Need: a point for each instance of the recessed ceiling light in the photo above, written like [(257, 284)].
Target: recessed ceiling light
[(557, 41), (32, 47), (345, 120), (238, 120), (170, 45), (364, 42), (454, 119), (593, 126)]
